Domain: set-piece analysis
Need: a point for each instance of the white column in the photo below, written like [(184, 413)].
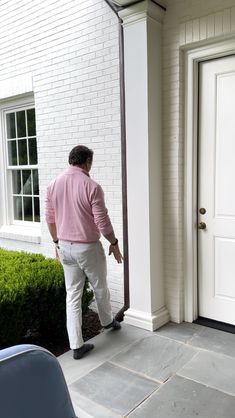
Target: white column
[(142, 42)]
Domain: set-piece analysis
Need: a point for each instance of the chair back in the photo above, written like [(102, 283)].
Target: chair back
[(32, 384)]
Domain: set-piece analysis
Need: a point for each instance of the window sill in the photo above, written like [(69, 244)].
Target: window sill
[(21, 233)]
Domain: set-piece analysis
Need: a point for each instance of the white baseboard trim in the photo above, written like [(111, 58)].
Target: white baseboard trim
[(145, 320)]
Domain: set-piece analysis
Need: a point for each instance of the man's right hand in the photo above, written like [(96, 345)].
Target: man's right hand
[(114, 249), (56, 253)]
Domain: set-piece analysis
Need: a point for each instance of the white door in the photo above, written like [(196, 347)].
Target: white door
[(216, 190)]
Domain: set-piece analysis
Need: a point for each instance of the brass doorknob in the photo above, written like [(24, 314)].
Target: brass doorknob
[(202, 225)]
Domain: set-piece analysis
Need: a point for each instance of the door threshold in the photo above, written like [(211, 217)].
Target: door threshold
[(211, 323)]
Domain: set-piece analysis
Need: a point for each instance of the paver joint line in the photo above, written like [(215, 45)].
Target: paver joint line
[(141, 402), (206, 385), (195, 355), (135, 372), (209, 351), (169, 338), (149, 396), (196, 333)]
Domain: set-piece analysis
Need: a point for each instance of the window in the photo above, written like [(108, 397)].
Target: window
[(22, 163)]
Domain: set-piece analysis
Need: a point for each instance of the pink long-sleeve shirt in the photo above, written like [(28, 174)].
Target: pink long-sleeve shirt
[(75, 203)]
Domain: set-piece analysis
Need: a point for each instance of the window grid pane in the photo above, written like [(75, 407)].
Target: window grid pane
[(26, 124), (27, 182), (16, 182), (17, 201), (28, 208), (21, 125), (35, 183), (31, 126), (32, 146), (33, 213), (36, 209), (22, 151), (12, 153), (26, 195), (11, 126)]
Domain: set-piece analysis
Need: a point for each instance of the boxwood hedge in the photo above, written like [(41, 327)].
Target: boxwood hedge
[(32, 296)]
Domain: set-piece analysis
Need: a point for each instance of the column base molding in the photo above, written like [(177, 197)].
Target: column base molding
[(148, 321)]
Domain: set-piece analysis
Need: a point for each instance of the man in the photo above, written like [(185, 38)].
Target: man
[(76, 216)]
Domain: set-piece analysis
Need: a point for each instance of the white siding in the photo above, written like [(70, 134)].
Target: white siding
[(70, 48), (186, 22)]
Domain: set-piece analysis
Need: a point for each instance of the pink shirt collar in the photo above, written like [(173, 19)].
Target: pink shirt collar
[(75, 168)]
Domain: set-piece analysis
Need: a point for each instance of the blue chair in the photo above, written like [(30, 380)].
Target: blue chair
[(32, 384)]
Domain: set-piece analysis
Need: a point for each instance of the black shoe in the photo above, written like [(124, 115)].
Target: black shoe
[(79, 352), (114, 324)]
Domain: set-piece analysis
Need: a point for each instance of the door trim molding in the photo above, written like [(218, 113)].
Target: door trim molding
[(192, 58)]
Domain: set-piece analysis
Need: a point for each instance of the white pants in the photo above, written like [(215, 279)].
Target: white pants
[(80, 261)]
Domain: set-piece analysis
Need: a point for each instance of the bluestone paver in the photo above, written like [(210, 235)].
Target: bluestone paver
[(156, 357), (181, 332), (215, 340), (182, 398), (107, 344), (115, 388), (212, 369), (86, 408), (180, 371)]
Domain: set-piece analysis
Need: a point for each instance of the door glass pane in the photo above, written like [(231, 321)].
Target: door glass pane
[(33, 157), (12, 153), (11, 128), (28, 209), (35, 182), (21, 127), (36, 209), (31, 122), (27, 182), (17, 203), (22, 148), (16, 181)]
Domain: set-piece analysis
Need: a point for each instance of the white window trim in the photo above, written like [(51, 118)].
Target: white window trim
[(21, 233), (9, 229), (192, 59)]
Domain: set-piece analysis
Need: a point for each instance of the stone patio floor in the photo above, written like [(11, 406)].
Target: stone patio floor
[(179, 371)]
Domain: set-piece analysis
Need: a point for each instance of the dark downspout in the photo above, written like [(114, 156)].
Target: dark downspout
[(120, 314)]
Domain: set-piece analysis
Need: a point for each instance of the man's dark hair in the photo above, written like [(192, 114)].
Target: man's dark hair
[(79, 155)]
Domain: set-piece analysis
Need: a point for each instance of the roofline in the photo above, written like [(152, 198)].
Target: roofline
[(123, 4)]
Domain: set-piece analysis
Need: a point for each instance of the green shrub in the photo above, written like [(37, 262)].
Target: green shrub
[(32, 296)]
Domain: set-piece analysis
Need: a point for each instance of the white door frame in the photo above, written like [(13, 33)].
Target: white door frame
[(192, 57)]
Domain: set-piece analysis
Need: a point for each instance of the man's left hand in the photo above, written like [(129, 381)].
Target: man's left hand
[(114, 249)]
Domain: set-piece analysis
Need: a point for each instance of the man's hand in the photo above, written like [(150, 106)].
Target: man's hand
[(114, 249), (56, 253)]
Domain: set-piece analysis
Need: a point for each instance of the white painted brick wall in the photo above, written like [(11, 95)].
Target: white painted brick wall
[(185, 22), (71, 50)]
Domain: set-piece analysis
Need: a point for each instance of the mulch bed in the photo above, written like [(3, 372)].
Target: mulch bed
[(91, 327)]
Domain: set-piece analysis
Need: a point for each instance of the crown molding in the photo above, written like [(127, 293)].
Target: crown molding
[(141, 11), (123, 3)]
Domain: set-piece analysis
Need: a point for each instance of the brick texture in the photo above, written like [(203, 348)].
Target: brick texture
[(186, 22), (71, 50)]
